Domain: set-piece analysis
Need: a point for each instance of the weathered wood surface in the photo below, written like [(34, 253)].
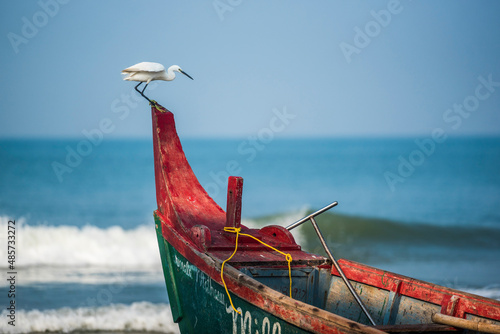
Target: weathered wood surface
[(405, 300)]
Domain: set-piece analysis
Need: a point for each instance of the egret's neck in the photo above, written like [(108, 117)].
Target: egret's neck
[(170, 74)]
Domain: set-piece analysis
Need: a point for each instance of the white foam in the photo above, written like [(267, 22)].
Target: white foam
[(490, 291), (85, 255), (140, 316), (63, 246)]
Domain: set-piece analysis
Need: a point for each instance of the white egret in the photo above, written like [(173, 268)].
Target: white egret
[(147, 72)]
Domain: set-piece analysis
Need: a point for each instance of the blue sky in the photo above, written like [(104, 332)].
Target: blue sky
[(333, 68)]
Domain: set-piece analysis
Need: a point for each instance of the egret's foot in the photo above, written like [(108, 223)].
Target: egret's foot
[(155, 104)]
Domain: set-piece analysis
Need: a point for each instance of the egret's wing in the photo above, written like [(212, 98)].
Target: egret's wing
[(145, 67)]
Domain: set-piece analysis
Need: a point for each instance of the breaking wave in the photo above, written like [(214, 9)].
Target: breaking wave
[(371, 239), (87, 255), (63, 246)]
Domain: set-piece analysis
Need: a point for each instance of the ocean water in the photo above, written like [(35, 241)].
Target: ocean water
[(86, 256)]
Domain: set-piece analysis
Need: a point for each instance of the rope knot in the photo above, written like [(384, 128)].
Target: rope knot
[(232, 229)]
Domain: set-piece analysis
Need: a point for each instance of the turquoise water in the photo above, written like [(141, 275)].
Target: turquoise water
[(85, 238)]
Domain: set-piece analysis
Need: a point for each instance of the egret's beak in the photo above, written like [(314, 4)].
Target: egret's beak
[(185, 74)]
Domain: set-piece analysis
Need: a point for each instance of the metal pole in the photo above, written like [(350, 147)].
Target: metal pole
[(303, 220), (346, 281)]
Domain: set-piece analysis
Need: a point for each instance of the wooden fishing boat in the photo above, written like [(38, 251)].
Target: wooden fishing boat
[(280, 289)]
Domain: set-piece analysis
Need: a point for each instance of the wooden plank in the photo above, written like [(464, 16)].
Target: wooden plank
[(391, 311), (479, 326), (234, 195), (421, 328), (449, 305)]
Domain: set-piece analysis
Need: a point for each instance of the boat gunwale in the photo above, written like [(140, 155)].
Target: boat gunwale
[(453, 302)]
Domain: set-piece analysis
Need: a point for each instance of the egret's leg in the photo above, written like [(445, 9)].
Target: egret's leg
[(140, 83), (142, 93), (145, 88)]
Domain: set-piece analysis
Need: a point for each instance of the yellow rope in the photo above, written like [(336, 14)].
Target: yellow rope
[(237, 231)]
